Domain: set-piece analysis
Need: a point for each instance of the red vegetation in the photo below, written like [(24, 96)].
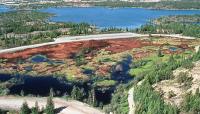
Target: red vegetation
[(65, 50), (140, 55), (126, 44), (183, 46)]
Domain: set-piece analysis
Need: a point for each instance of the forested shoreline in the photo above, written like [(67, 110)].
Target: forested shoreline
[(152, 5), (171, 5), (20, 28), (187, 25)]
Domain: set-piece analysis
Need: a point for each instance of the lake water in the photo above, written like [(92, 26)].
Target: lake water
[(108, 17), (4, 8)]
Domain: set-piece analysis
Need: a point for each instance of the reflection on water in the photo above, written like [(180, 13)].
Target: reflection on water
[(41, 86)]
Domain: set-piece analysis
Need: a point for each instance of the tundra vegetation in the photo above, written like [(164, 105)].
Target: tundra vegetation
[(102, 71), (93, 68)]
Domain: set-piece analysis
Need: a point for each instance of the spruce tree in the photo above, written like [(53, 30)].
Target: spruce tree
[(73, 93), (50, 106), (35, 110), (25, 109), (197, 92), (160, 53), (77, 93)]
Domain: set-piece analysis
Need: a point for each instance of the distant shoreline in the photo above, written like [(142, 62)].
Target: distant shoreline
[(145, 5)]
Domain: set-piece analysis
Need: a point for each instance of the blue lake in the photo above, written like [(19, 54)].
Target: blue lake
[(4, 8), (108, 17)]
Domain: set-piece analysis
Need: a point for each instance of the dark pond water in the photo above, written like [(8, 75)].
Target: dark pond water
[(4, 77), (120, 71), (173, 48), (40, 86), (39, 58)]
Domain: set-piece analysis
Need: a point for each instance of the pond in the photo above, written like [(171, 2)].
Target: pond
[(41, 85), (173, 48), (38, 58)]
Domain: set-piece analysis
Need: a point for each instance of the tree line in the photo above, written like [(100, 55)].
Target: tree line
[(20, 28), (159, 5), (49, 109), (182, 24)]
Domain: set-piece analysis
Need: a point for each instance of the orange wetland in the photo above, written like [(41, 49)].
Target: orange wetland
[(101, 55)]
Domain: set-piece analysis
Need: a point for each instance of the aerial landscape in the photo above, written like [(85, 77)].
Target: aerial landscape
[(99, 56)]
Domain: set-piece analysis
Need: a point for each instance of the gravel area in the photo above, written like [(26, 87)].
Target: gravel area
[(62, 106)]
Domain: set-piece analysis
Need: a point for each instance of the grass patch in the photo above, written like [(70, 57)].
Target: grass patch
[(148, 66), (87, 67), (104, 59), (152, 60), (106, 83)]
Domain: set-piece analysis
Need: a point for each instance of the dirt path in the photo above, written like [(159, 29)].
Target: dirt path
[(131, 101), (62, 106)]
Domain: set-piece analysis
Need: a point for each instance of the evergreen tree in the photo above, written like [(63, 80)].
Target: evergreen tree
[(77, 93), (50, 106), (171, 59), (3, 112), (25, 109), (197, 92), (90, 98), (35, 110), (160, 53)]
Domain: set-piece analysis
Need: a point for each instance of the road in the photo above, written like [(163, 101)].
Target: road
[(91, 37), (100, 37), (61, 106)]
